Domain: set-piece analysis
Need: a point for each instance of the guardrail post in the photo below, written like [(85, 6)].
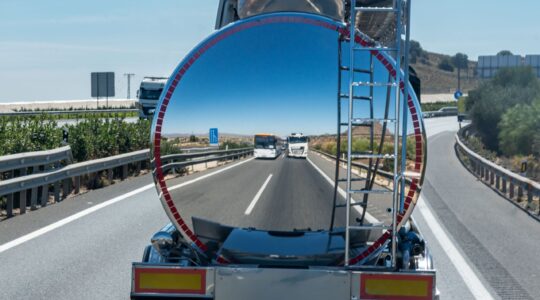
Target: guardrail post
[(22, 195), (520, 192), (22, 202), (33, 198), (511, 192), (530, 196), (497, 182), (77, 184), (110, 175), (57, 192), (66, 188), (138, 167), (124, 171), (504, 185), (9, 199), (492, 177), (44, 195)]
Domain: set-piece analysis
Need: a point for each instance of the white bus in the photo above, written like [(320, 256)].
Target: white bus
[(267, 146), (297, 145)]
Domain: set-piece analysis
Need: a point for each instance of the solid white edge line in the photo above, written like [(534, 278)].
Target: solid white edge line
[(55, 225), (257, 196), (368, 216), (208, 175), (472, 281), (62, 222)]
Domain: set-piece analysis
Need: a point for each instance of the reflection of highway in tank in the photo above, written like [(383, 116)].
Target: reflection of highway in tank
[(298, 195)]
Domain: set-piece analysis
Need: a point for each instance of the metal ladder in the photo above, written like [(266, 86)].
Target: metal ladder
[(398, 155)]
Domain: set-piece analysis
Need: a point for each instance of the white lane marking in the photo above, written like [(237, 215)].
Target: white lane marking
[(472, 281), (257, 196), (208, 175), (368, 216), (55, 225), (60, 223)]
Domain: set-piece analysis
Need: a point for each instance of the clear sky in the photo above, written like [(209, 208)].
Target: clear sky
[(48, 48)]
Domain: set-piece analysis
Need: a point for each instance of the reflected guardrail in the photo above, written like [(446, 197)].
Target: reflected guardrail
[(182, 160), (521, 191), (386, 175), (34, 190)]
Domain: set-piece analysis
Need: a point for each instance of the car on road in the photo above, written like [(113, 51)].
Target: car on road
[(442, 112)]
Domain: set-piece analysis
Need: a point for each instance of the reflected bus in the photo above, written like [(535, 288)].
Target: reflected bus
[(267, 146)]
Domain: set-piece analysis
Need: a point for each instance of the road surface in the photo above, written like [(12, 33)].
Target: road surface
[(82, 248)]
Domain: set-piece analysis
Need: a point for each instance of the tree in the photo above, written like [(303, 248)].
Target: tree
[(193, 138), (518, 127), (460, 61), (488, 103), (446, 65), (505, 52), (416, 51)]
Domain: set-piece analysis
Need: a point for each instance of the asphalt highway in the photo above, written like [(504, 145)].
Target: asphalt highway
[(83, 248)]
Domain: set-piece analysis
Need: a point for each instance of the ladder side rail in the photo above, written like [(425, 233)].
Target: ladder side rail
[(352, 31), (405, 100), (397, 6), (338, 136)]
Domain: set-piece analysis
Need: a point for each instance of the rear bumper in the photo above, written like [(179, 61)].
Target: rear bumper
[(166, 281)]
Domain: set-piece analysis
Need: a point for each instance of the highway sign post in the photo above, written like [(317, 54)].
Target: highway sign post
[(213, 136), (102, 84)]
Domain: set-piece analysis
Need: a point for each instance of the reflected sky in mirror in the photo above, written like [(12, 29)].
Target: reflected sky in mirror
[(276, 78)]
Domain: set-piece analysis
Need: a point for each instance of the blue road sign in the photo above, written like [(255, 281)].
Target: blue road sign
[(458, 94), (213, 136)]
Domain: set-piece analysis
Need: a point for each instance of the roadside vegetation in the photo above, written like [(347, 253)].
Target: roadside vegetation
[(328, 145), (91, 138), (505, 113)]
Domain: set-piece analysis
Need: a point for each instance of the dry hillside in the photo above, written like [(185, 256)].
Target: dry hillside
[(438, 81)]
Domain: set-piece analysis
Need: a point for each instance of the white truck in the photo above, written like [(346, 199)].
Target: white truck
[(148, 95), (297, 145)]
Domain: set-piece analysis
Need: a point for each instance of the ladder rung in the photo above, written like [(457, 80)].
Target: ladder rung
[(365, 120), (375, 49), (357, 124), (362, 83), (387, 156), (345, 68), (371, 191), (346, 96), (375, 9), (352, 204), (368, 227), (352, 179)]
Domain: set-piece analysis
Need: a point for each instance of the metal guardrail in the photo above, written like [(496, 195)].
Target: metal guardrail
[(67, 112), (35, 159), (512, 186), (67, 179)]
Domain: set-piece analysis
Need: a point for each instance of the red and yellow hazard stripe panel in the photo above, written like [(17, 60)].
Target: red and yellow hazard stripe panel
[(396, 286), (169, 280)]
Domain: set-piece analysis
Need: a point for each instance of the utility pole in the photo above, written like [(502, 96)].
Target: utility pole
[(129, 75)]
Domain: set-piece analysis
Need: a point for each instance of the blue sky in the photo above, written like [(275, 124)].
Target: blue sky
[(48, 48), (238, 90)]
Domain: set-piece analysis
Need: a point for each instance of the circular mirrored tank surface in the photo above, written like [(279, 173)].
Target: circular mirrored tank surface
[(250, 123)]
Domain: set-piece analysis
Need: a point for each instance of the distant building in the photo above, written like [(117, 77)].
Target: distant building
[(488, 65)]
